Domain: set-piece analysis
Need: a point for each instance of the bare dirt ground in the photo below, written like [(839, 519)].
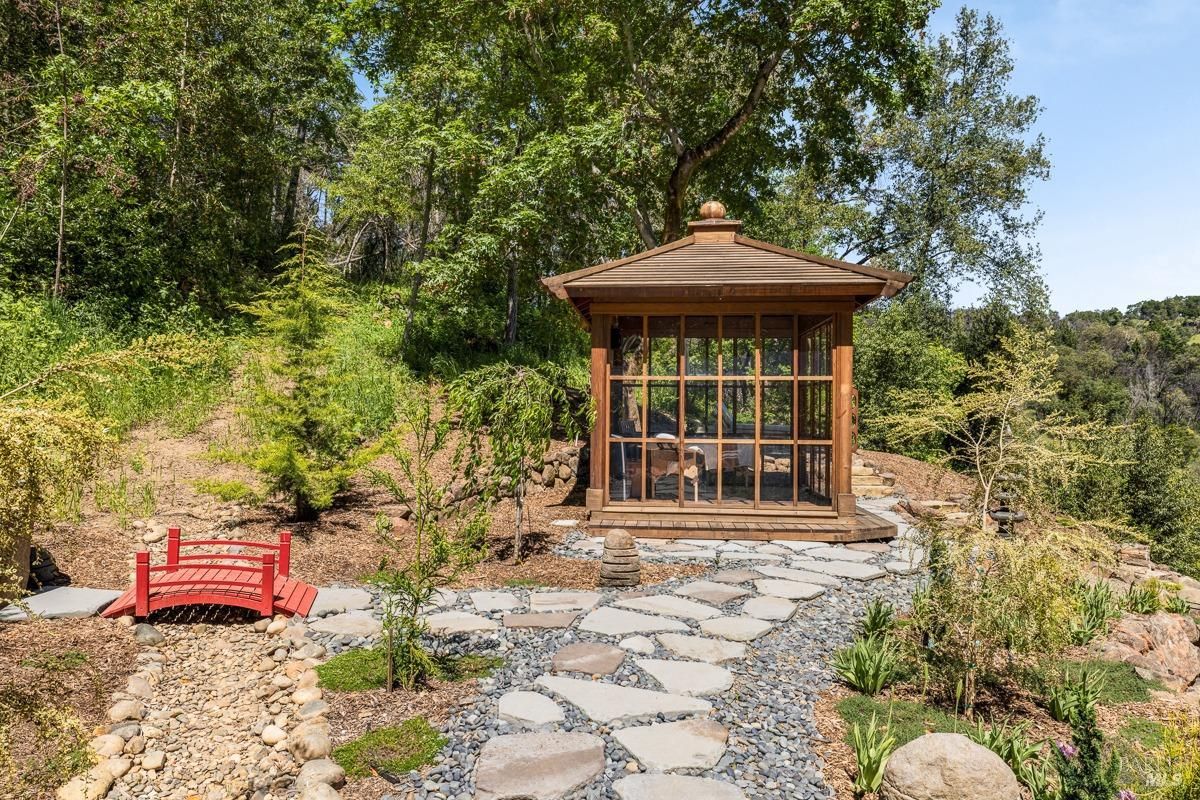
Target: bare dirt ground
[(920, 480)]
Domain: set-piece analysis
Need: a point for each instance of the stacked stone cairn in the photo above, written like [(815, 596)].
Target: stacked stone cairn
[(620, 565)]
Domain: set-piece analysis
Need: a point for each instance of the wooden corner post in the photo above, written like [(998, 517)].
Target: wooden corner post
[(267, 600), (598, 469), (141, 585), (173, 547), (843, 418)]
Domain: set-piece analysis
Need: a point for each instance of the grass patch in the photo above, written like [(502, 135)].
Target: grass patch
[(364, 670), (61, 662), (523, 583), (1145, 732), (1122, 684), (394, 750), (227, 491), (905, 720)]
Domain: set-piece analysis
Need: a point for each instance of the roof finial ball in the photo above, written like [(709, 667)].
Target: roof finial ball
[(713, 209)]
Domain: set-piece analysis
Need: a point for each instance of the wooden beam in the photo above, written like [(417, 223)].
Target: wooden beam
[(843, 382), (598, 470)]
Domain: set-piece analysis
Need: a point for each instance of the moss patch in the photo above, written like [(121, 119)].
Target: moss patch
[(523, 583), (394, 750), (1146, 732), (363, 670), (905, 720)]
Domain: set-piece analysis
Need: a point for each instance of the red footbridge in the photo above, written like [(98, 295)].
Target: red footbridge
[(244, 574)]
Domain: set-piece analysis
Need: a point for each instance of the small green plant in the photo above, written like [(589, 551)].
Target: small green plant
[(231, 491), (906, 719), (1177, 605), (873, 746), (357, 670), (868, 665), (465, 668), (523, 583), (391, 751), (1060, 702), (1097, 605), (1142, 600), (58, 662), (1078, 694), (879, 619), (1012, 743)]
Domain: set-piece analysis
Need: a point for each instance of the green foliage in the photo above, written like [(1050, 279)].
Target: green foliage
[(357, 670), (1022, 754), (1142, 600), (1172, 769), (1118, 682), (508, 414), (869, 665), (391, 750), (1177, 605), (1096, 605), (1148, 734), (1084, 771), (879, 619), (468, 667), (873, 745), (906, 720), (1077, 695), (231, 491)]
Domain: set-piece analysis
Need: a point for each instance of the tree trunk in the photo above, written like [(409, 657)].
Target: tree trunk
[(519, 498), (18, 558), (60, 256), (423, 243), (292, 200), (510, 327)]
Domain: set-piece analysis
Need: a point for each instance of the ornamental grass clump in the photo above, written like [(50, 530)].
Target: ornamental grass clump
[(879, 619), (869, 665), (1021, 753), (873, 746), (1097, 605)]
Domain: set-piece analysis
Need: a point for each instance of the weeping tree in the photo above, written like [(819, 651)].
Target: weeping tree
[(508, 415)]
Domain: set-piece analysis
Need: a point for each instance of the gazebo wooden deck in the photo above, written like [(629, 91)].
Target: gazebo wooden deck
[(722, 369)]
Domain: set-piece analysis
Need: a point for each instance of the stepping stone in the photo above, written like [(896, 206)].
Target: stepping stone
[(637, 644), (797, 547), (750, 556), (734, 546), (589, 657), (671, 606), (553, 619), (690, 744), (695, 554), (61, 602), (804, 576), (738, 575), (839, 554), (541, 766), (605, 702), (350, 623), (673, 787), (737, 629), (844, 569), (707, 544), (902, 567), (563, 601), (565, 523), (669, 546), (775, 609), (792, 590), (494, 601), (334, 600), (711, 592), (616, 622), (529, 708), (869, 547), (713, 651), (441, 598), (774, 550), (687, 677), (450, 622)]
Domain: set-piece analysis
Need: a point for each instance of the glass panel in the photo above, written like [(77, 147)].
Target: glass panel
[(777, 410), (625, 399), (814, 410), (737, 346), (625, 347), (737, 410), (664, 345), (775, 474), (664, 409), (814, 465), (700, 409), (816, 345), (700, 345), (699, 473), (776, 345), (624, 471), (737, 473), (662, 465)]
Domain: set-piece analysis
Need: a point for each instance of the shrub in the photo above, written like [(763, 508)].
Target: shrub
[(1012, 743), (869, 664), (1142, 600), (873, 745), (1173, 767), (1084, 771), (391, 751), (1077, 695), (232, 491), (880, 618)]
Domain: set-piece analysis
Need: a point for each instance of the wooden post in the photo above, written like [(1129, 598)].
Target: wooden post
[(173, 548), (141, 585), (598, 471), (843, 381), (285, 553), (267, 604)]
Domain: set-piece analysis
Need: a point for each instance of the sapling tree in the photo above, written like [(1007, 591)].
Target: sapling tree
[(443, 540), (508, 416)]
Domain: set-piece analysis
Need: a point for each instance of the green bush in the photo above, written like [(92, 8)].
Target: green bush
[(1078, 694), (869, 664), (232, 491), (1085, 771), (879, 619), (391, 751), (1177, 605)]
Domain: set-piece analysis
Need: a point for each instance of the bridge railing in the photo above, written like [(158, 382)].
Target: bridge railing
[(282, 549)]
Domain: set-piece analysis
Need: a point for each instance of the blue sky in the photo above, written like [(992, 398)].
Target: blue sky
[(1120, 83)]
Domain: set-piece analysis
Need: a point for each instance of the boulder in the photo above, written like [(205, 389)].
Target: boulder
[(947, 766), (91, 785), (1160, 646), (321, 770), (148, 634)]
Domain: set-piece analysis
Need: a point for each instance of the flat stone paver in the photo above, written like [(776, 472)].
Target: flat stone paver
[(550, 619), (714, 651), (494, 601), (712, 592), (750, 555), (540, 766), (675, 787), (637, 644), (61, 602), (737, 575), (617, 622), (447, 623), (802, 575), (901, 567), (797, 547), (670, 606), (839, 554), (844, 569), (589, 657), (350, 623), (336, 599), (694, 678), (707, 555), (792, 590), (870, 547), (774, 609), (736, 629), (689, 744), (563, 601), (529, 708), (604, 702)]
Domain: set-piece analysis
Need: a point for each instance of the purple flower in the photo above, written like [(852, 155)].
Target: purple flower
[(1070, 751), (1125, 794)]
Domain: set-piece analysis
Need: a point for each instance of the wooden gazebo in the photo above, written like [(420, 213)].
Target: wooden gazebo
[(722, 372)]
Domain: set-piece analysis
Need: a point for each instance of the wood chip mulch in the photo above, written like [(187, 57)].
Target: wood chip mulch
[(919, 480)]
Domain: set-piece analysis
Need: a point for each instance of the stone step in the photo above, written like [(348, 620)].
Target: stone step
[(736, 629), (618, 622), (606, 702), (671, 606), (674, 787), (714, 651), (539, 765), (690, 744), (789, 590), (694, 678)]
